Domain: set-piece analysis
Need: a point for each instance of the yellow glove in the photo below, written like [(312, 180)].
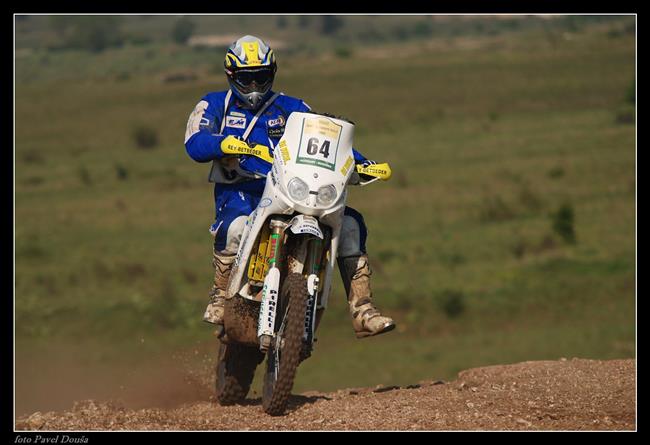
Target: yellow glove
[(233, 146), (381, 171)]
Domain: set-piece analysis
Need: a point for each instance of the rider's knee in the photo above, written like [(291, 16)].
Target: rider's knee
[(233, 238), (350, 240), (228, 243)]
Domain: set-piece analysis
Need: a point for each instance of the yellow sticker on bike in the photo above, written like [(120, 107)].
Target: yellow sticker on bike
[(284, 151), (319, 142)]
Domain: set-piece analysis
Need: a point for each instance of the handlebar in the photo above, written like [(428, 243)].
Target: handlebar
[(361, 176)]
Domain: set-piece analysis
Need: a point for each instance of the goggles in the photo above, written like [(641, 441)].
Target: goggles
[(260, 77)]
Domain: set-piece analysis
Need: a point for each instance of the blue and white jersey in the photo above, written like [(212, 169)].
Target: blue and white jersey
[(203, 135)]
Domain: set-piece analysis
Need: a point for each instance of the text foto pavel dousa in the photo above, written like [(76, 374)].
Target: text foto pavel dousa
[(59, 438)]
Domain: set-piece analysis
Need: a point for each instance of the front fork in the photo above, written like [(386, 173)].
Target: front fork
[(308, 258), (270, 290), (313, 271)]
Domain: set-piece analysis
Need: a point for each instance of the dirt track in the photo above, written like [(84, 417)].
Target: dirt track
[(572, 394)]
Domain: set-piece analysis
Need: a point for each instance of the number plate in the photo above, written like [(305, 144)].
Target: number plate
[(319, 143)]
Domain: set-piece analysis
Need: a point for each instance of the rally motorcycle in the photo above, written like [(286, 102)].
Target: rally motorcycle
[(281, 278)]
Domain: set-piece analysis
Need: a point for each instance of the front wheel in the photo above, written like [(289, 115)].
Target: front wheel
[(283, 357)]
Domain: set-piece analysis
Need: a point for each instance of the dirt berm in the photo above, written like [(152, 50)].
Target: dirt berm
[(571, 394)]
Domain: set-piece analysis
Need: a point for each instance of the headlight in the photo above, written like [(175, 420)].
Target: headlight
[(298, 189), (326, 195)]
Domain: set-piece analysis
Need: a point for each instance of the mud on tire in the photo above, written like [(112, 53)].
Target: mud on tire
[(235, 371), (277, 388)]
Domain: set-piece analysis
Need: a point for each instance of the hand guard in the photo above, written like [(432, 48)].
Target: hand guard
[(233, 146), (374, 170)]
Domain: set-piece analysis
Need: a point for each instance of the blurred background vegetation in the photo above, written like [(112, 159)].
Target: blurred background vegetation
[(506, 234)]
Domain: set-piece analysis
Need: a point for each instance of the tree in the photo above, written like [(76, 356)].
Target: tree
[(330, 24), (93, 33), (281, 22), (183, 30), (304, 21)]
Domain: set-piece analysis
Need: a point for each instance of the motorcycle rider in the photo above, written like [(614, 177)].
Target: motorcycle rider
[(233, 122)]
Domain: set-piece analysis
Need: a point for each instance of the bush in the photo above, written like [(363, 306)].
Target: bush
[(625, 116), (452, 303), (183, 30), (32, 249), (121, 172), (530, 199), (33, 157), (522, 247), (187, 76), (138, 40), (343, 52), (387, 255), (423, 29), (370, 35), (555, 172), (495, 209), (145, 137), (122, 76), (452, 259), (33, 180), (519, 248), (84, 176), (562, 223)]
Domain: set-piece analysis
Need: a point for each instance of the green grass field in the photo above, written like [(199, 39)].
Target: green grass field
[(488, 136)]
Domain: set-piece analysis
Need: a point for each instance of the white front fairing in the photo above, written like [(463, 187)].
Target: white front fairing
[(317, 150)]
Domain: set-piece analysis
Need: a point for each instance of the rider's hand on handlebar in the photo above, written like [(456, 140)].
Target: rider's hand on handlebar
[(233, 146)]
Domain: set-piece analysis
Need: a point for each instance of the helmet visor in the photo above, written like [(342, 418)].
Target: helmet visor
[(261, 77)]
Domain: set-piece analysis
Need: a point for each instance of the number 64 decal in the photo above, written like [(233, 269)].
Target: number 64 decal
[(312, 147), (319, 143)]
